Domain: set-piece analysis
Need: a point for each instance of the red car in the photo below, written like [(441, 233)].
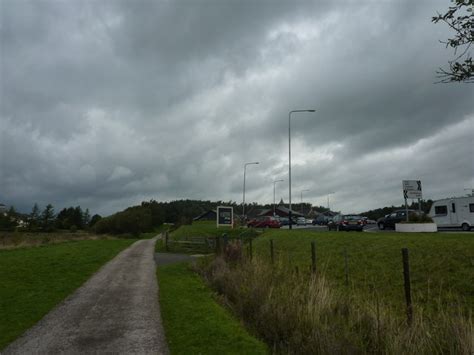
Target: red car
[(264, 222)]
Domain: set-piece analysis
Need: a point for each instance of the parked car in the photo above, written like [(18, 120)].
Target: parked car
[(301, 221), (264, 222), (309, 221), (321, 220), (454, 212), (346, 222), (391, 219), (284, 221)]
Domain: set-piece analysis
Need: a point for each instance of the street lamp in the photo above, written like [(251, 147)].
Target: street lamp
[(243, 201), (274, 183), (289, 159), (328, 200), (302, 199)]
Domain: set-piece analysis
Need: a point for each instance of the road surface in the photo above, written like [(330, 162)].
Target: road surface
[(116, 311)]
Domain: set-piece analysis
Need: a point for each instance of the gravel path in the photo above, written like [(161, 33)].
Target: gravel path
[(116, 311)]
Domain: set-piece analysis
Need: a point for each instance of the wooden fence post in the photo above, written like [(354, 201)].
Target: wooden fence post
[(272, 255), (313, 256), (407, 286), (346, 268), (250, 248)]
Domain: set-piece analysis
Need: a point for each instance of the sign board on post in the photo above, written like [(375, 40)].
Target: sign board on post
[(412, 189), (225, 216)]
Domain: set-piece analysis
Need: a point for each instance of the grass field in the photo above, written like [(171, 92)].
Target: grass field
[(441, 264), (194, 323), (33, 280)]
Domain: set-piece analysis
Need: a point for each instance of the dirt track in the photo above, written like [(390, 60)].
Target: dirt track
[(116, 311)]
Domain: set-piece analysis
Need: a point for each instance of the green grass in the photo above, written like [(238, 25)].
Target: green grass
[(201, 229), (34, 280), (194, 323), (441, 264), (204, 229)]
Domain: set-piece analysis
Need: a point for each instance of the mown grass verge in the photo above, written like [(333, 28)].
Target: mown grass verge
[(34, 280), (194, 323)]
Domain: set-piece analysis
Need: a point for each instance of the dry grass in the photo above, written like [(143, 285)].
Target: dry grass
[(14, 240), (295, 311)]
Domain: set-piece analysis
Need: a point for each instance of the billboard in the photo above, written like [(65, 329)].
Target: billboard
[(412, 189), (225, 216)]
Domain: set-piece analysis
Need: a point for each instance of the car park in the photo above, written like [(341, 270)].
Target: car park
[(346, 223), (264, 222)]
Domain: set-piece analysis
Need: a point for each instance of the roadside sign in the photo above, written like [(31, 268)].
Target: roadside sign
[(412, 189), (225, 216)]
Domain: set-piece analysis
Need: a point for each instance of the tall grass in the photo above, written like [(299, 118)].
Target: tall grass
[(296, 311)]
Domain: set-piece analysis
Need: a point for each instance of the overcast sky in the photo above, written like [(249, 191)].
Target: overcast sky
[(108, 103)]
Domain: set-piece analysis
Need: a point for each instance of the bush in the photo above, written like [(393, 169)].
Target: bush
[(419, 218)]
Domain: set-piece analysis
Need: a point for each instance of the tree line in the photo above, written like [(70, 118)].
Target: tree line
[(46, 220)]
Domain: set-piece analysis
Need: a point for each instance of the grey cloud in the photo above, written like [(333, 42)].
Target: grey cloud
[(108, 103)]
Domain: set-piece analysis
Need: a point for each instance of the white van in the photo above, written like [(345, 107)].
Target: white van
[(454, 212)]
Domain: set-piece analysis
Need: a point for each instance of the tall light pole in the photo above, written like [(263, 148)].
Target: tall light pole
[(302, 199), (289, 159), (243, 200), (329, 209), (274, 183)]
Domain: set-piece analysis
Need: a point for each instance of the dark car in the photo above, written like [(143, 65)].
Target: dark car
[(264, 222), (321, 220), (395, 217), (346, 222)]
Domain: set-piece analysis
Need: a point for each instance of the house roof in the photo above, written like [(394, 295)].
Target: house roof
[(281, 209), (203, 214)]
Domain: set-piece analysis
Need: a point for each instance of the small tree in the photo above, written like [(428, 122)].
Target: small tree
[(460, 18), (47, 219), (95, 218), (34, 220), (86, 218)]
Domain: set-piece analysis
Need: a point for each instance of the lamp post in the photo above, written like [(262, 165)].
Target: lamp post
[(289, 160), (243, 200), (329, 209), (302, 199), (274, 183)]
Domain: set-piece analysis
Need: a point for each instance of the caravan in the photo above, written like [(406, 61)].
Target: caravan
[(454, 212)]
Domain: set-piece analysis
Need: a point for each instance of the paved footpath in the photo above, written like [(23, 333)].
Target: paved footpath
[(116, 311)]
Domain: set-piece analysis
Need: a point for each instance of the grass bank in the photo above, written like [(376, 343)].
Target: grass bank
[(194, 323), (34, 280), (201, 230)]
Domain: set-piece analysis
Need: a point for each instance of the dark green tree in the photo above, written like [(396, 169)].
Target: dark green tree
[(47, 219), (34, 218), (460, 18), (86, 218), (95, 218)]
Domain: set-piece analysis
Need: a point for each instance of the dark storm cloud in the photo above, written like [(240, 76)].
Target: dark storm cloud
[(105, 104)]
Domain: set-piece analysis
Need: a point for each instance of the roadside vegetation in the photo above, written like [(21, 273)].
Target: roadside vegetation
[(302, 313), (194, 323), (34, 280), (355, 309)]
